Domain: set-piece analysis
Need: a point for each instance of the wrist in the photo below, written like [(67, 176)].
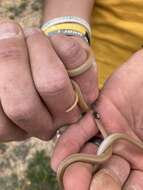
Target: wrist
[(78, 8)]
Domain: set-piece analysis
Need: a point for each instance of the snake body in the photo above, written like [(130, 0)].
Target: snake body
[(104, 153)]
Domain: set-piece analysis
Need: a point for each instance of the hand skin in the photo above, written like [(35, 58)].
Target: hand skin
[(35, 90), (120, 106)]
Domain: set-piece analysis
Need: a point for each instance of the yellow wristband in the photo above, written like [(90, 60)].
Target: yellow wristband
[(66, 26)]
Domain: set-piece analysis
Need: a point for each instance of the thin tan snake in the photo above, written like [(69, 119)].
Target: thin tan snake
[(104, 152)]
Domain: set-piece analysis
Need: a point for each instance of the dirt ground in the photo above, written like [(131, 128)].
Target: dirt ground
[(21, 163), (26, 12)]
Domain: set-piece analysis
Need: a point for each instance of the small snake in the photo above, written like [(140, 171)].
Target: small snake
[(104, 153), (105, 150)]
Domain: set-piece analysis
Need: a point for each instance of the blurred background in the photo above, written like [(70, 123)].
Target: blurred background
[(25, 165)]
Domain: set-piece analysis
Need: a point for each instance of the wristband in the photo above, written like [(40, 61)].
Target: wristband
[(68, 19), (69, 29), (69, 25), (70, 33)]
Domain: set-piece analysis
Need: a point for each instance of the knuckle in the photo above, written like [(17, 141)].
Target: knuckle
[(12, 52), (20, 113), (10, 24), (46, 137), (70, 49), (91, 99), (53, 85), (69, 145), (92, 96)]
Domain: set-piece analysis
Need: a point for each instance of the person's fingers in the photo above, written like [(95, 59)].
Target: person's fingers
[(127, 150), (19, 99), (74, 52), (135, 181), (103, 181), (78, 175), (112, 176), (9, 131), (51, 79), (73, 139)]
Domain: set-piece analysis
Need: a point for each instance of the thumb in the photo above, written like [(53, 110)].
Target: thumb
[(74, 53)]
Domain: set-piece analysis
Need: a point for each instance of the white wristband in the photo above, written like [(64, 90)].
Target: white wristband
[(67, 19)]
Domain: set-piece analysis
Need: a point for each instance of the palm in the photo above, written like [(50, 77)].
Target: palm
[(120, 105)]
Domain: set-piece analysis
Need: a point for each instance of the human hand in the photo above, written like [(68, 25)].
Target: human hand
[(35, 89), (120, 107)]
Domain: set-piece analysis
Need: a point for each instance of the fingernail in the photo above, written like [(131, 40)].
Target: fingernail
[(53, 165), (8, 30), (31, 31)]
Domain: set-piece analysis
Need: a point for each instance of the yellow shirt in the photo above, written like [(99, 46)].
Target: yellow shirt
[(117, 33)]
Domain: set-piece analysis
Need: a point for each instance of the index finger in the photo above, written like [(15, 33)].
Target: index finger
[(74, 53)]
